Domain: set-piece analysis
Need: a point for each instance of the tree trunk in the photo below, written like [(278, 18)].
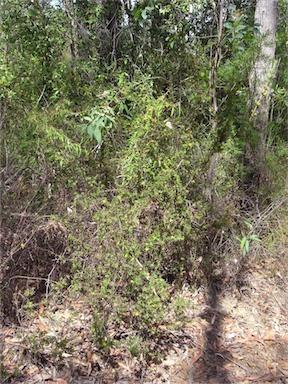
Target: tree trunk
[(71, 13), (266, 17), (219, 16)]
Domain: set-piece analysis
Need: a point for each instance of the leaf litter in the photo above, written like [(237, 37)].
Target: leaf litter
[(243, 338)]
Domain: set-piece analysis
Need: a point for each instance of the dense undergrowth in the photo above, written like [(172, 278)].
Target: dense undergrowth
[(116, 189), (126, 221)]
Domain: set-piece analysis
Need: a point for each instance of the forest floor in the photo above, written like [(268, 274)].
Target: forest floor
[(231, 335)]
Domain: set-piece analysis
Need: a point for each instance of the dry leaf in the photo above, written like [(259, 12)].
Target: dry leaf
[(89, 369), (124, 366), (42, 325), (32, 370), (214, 381), (189, 325), (285, 338), (283, 364), (41, 377), (196, 358), (41, 309), (8, 331), (169, 362), (89, 356), (269, 336), (231, 335)]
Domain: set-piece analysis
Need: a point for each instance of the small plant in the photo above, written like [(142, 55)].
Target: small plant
[(100, 334), (247, 238), (51, 344), (26, 300), (97, 121), (137, 346), (179, 306)]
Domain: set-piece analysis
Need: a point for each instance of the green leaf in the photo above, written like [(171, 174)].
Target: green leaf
[(228, 25), (172, 44), (144, 14), (98, 123), (246, 248), (90, 130), (240, 27), (248, 225), (137, 13), (255, 238), (243, 242), (98, 135), (110, 118)]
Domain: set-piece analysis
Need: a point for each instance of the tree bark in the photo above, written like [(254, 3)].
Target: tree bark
[(266, 17), (216, 62), (71, 13)]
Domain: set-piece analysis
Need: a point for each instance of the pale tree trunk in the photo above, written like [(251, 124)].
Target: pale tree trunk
[(215, 62), (266, 17), (70, 11)]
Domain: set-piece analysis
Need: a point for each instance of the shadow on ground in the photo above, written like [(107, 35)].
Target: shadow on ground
[(210, 368)]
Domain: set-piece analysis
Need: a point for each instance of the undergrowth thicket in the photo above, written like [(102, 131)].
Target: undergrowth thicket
[(143, 194)]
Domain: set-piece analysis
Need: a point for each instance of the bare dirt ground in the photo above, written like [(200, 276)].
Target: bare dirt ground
[(232, 334)]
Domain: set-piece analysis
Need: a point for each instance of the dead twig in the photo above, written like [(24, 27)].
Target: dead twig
[(32, 278), (231, 361)]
